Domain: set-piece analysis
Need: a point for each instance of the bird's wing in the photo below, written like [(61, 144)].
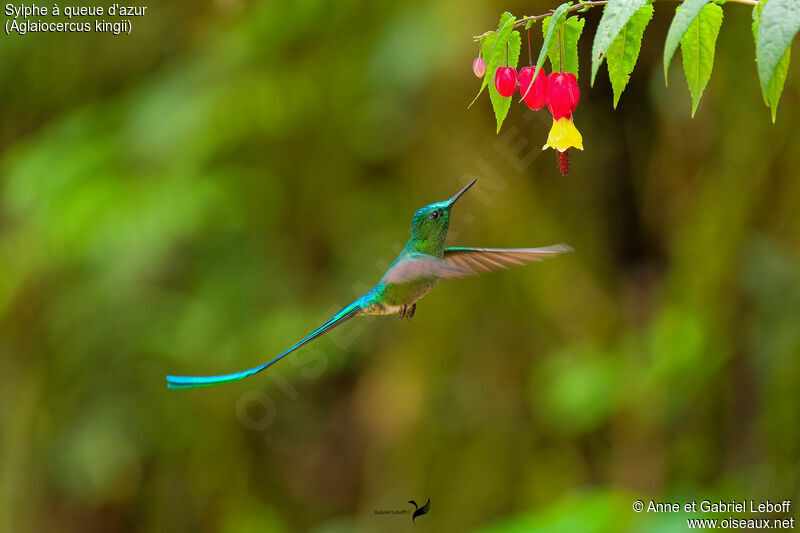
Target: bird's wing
[(417, 265), (482, 260), (185, 382)]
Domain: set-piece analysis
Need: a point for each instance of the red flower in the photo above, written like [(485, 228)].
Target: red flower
[(562, 94), (562, 99), (533, 89), (505, 81)]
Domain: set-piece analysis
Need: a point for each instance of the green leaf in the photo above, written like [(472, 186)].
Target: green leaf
[(558, 16), (493, 50), (773, 93), (697, 50), (624, 51), (501, 104), (684, 16), (529, 24), (780, 20), (615, 16), (563, 51)]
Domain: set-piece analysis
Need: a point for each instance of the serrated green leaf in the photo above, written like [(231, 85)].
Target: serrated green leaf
[(615, 16), (624, 51), (501, 104), (556, 19), (772, 95), (493, 50), (563, 50), (558, 16), (780, 20), (697, 50), (684, 16)]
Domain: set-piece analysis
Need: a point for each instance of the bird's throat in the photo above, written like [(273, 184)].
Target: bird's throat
[(434, 247)]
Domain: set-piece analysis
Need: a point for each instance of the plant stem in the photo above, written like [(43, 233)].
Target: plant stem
[(530, 56), (594, 3), (524, 20)]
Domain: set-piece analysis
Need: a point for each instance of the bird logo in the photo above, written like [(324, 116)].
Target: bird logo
[(422, 263), (419, 511)]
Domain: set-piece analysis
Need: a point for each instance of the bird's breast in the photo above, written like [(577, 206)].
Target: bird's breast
[(391, 297)]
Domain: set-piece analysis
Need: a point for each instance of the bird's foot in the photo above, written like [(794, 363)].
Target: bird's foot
[(407, 312)]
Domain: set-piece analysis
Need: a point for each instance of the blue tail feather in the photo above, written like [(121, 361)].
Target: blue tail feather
[(186, 382)]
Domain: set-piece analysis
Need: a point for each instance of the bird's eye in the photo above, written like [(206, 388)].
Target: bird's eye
[(435, 215)]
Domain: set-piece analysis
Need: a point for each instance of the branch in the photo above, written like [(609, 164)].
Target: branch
[(577, 7), (524, 20)]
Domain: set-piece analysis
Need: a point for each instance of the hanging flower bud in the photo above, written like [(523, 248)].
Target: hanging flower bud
[(505, 81), (562, 97), (479, 67), (533, 90), (562, 94)]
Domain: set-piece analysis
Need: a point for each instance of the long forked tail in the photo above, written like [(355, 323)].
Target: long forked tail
[(186, 382)]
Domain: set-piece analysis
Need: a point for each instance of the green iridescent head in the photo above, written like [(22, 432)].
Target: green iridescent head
[(432, 221)]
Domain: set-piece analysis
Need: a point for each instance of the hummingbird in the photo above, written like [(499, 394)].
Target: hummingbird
[(421, 264)]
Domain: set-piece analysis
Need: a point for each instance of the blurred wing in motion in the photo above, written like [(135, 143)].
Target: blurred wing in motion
[(417, 265), (482, 260), (185, 382)]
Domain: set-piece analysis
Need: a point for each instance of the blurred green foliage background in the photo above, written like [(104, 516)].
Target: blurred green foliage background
[(196, 197)]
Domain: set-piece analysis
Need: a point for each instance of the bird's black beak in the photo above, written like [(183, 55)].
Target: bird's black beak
[(462, 191)]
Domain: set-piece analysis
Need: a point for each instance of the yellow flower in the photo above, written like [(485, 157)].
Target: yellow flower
[(563, 136)]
